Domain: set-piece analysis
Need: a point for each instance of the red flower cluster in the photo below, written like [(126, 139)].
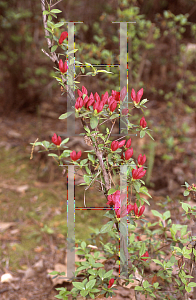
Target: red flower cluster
[(114, 199), (63, 67), (55, 140), (63, 36), (143, 123), (97, 103), (138, 173), (75, 156), (136, 98)]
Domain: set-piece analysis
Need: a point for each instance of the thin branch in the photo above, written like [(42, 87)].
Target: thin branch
[(55, 3)]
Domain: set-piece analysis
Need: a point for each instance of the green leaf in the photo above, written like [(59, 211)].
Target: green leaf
[(65, 141), (72, 51), (146, 284), (156, 214), (144, 191), (114, 116), (142, 249), (90, 284), (111, 191), (56, 11), (142, 134), (87, 129), (59, 24), (108, 274), (53, 154), (54, 48), (107, 227), (149, 135), (192, 284), (45, 12), (94, 122), (83, 245), (186, 193), (158, 262), (87, 179), (53, 273), (66, 115)]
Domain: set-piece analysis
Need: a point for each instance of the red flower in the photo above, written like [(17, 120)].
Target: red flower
[(121, 143), (98, 106), (63, 36), (145, 255), (84, 91), (112, 105), (111, 282), (116, 95), (138, 173), (63, 68), (79, 103), (136, 98), (75, 156), (128, 144), (141, 159), (55, 140), (104, 98), (124, 210), (128, 153), (125, 111), (143, 123), (141, 210), (114, 145)]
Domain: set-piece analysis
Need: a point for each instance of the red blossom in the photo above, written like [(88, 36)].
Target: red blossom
[(145, 255), (121, 143), (136, 98), (128, 153), (112, 105), (63, 67), (143, 123), (63, 36), (138, 173), (114, 145), (141, 159), (75, 156), (55, 140), (111, 282), (128, 144)]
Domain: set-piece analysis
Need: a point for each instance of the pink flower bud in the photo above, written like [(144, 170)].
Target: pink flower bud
[(128, 144), (137, 98), (116, 95), (141, 159), (104, 98), (143, 123), (128, 153), (84, 91), (121, 143), (55, 140), (63, 36), (75, 156)]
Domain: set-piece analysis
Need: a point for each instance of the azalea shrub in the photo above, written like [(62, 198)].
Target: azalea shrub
[(163, 247)]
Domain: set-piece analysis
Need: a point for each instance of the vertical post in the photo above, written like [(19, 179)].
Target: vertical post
[(70, 224)]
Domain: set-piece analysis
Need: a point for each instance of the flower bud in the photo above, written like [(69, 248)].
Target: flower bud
[(143, 123), (75, 156), (128, 153), (55, 140), (145, 255), (141, 159), (113, 106), (114, 145), (63, 36), (121, 143), (128, 144), (141, 210), (62, 68)]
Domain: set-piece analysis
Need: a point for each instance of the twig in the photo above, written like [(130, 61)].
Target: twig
[(55, 3)]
